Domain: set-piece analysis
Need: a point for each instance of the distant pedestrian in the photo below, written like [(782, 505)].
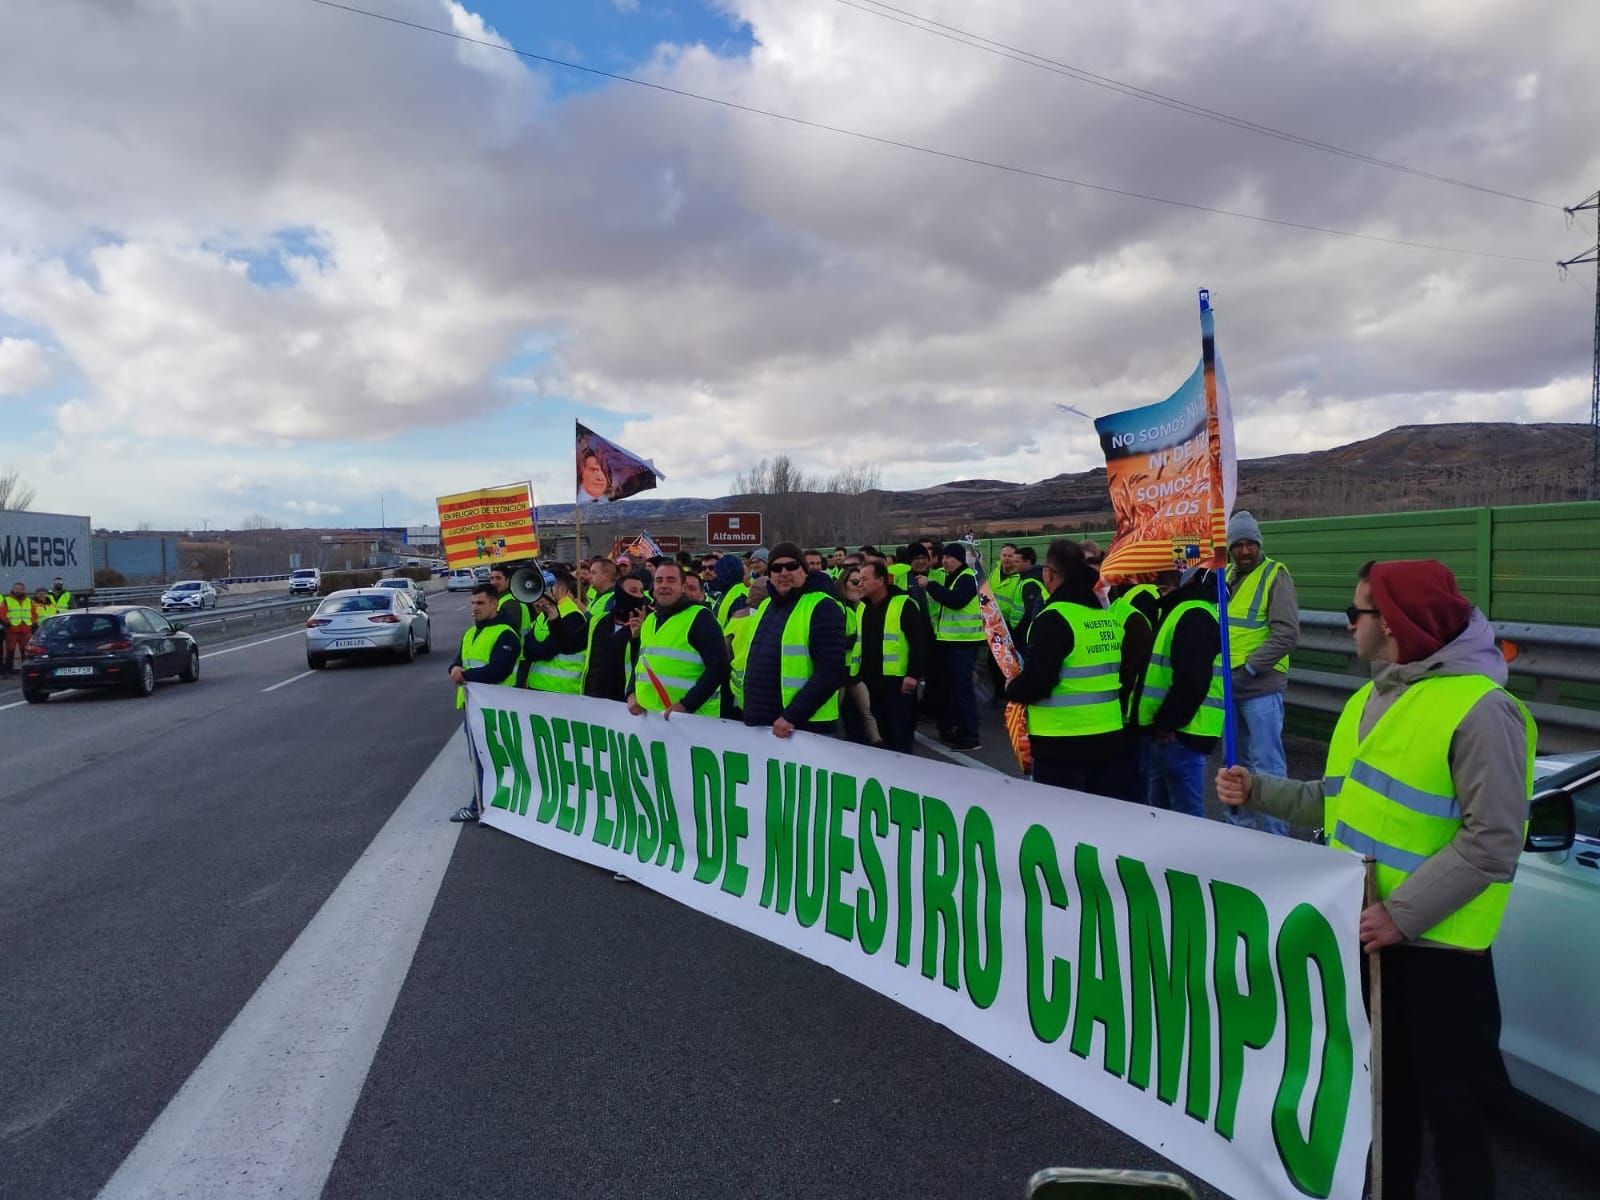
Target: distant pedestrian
[(1263, 627), (16, 613), (488, 654)]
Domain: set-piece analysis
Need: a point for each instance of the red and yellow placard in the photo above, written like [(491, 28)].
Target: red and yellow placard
[(488, 526)]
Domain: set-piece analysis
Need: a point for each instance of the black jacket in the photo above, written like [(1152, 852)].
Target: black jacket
[(705, 638), (1196, 644), (763, 697), (502, 658), (914, 623), (1049, 643), (612, 654), (1034, 598), (959, 596)]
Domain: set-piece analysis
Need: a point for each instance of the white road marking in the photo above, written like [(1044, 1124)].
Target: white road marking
[(13, 704), (251, 645), (265, 1112), (287, 682), (955, 756)]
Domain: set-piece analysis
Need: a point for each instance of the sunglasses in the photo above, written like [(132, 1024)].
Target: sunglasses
[(787, 564), (1354, 614)]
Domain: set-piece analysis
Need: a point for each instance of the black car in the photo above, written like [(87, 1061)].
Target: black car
[(116, 646)]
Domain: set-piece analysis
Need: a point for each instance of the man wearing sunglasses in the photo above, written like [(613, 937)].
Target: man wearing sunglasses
[(796, 665), (1429, 773)]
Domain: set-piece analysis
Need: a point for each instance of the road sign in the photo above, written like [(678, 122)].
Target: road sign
[(733, 530), (670, 543)]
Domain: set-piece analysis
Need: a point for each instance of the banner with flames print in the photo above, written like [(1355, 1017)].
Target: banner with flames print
[(1173, 473)]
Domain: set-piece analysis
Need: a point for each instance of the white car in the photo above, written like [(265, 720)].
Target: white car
[(1546, 955), (189, 595), (306, 580), (460, 580)]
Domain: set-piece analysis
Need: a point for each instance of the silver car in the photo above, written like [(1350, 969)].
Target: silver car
[(410, 587), (361, 622), (1546, 956), (190, 595)]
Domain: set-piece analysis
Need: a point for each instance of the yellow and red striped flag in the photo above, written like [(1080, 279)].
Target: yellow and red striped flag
[(488, 526)]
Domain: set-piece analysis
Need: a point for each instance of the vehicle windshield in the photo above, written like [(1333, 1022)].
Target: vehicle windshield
[(305, 574), (72, 626), (186, 587), (350, 604), (394, 583)]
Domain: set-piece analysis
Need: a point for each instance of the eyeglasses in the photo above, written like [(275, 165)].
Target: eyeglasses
[(1354, 614), (787, 564)]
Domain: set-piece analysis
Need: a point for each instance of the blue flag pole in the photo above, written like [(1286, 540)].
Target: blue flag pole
[(1208, 360)]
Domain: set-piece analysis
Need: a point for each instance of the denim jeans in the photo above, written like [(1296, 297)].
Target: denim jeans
[(1176, 777), (1261, 751)]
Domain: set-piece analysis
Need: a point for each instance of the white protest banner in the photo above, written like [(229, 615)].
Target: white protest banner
[(1193, 984)]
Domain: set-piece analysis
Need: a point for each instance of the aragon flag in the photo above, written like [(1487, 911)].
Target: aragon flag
[(1173, 473), (608, 472)]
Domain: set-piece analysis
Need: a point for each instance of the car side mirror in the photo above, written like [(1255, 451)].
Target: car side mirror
[(1095, 1183), (1552, 823)]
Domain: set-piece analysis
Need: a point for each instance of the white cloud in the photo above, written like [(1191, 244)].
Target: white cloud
[(753, 286), (24, 366)]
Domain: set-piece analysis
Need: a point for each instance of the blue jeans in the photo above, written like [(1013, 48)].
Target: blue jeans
[(1261, 751), (1176, 777)]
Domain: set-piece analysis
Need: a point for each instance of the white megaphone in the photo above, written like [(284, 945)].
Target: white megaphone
[(527, 580)]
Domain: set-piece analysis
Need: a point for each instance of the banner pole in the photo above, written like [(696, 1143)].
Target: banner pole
[(1375, 1022), (1208, 360)]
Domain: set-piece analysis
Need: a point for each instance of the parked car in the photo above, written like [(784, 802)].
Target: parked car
[(121, 646), (306, 581), (460, 580), (409, 586), (189, 595), (360, 622), (1546, 956)]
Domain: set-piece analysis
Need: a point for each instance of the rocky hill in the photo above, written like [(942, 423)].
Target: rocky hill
[(1409, 468)]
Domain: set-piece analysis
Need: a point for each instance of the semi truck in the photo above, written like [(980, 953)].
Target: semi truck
[(39, 548)]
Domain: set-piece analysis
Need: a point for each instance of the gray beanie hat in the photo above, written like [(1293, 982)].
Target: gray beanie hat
[(1242, 527)]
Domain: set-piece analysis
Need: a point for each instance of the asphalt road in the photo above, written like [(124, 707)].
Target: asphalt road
[(557, 1032)]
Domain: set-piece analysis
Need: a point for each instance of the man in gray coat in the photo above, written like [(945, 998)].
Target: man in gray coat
[(1429, 774), (1263, 627)]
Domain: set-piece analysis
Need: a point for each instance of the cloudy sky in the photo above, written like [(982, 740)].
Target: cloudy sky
[(268, 256)]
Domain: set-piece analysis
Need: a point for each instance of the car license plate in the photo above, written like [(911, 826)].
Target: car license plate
[(348, 644), (74, 671)]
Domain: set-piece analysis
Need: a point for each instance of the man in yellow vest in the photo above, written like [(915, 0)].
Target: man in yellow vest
[(1071, 679), (958, 636), (488, 655), (16, 615), (683, 658), (1263, 627), (1179, 707), (61, 596), (894, 645), (553, 645), (796, 662), (1429, 772)]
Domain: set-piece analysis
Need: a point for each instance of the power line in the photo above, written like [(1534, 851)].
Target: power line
[(949, 156), (913, 20), (1591, 204)]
